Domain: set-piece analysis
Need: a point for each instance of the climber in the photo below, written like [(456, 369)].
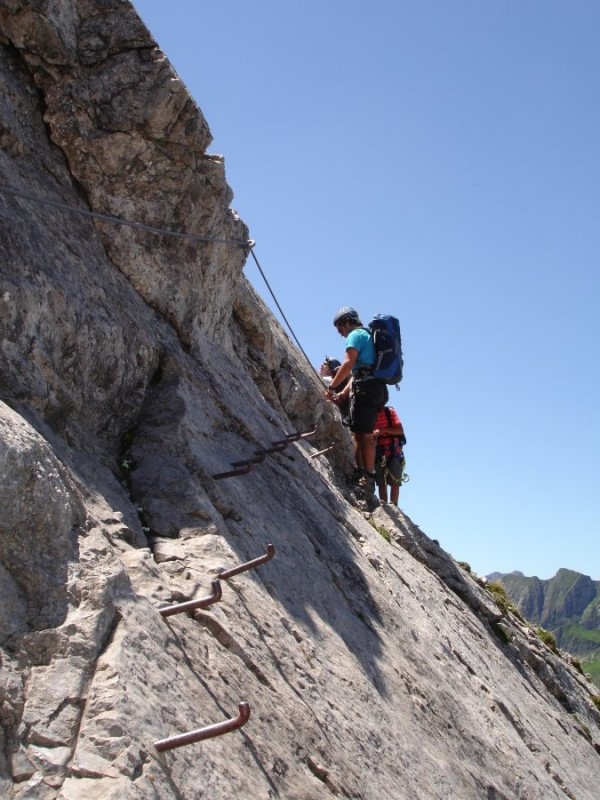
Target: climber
[(367, 394), (328, 370), (389, 457)]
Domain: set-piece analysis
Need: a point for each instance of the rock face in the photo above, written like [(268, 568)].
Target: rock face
[(137, 365)]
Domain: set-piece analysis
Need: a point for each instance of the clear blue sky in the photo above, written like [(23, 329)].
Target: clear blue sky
[(439, 160)]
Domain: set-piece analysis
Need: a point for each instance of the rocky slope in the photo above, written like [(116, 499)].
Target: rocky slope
[(568, 605), (136, 366)]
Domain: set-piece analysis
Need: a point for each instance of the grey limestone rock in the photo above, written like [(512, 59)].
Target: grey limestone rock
[(135, 366)]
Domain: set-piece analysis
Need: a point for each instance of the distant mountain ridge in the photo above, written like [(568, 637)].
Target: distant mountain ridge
[(568, 605)]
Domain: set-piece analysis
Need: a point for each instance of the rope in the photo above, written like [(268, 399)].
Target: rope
[(142, 226), (264, 277)]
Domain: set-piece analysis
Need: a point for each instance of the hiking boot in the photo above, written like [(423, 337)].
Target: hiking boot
[(357, 475), (373, 502), (366, 482)]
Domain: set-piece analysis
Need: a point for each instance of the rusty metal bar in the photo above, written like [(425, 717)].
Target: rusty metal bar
[(276, 447), (244, 467), (306, 434), (320, 453), (208, 732), (190, 605), (257, 458), (232, 473), (291, 437), (229, 573)]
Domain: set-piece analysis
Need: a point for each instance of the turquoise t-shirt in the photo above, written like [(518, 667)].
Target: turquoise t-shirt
[(361, 340)]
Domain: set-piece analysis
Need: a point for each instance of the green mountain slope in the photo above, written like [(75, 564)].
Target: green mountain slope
[(568, 605)]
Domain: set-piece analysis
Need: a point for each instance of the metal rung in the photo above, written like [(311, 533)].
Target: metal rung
[(190, 605), (229, 573), (209, 732)]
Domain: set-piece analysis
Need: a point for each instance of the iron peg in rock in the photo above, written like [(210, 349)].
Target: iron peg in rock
[(277, 446), (289, 438), (209, 732), (190, 605), (321, 452), (293, 437), (257, 458), (229, 573), (244, 470)]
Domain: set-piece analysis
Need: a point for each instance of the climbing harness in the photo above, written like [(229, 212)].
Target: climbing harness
[(404, 478)]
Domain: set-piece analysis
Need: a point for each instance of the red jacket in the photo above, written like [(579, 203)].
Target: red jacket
[(388, 445)]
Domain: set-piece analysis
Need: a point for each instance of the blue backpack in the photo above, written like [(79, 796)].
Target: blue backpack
[(385, 331)]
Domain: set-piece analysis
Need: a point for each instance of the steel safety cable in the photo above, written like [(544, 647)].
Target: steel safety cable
[(247, 244), (285, 319), (119, 221)]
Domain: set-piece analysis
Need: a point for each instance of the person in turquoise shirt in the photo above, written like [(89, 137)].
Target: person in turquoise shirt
[(362, 341), (368, 395)]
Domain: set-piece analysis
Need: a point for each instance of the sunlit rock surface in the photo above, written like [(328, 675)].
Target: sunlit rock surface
[(137, 365)]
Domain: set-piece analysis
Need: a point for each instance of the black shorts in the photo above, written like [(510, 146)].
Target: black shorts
[(367, 397)]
